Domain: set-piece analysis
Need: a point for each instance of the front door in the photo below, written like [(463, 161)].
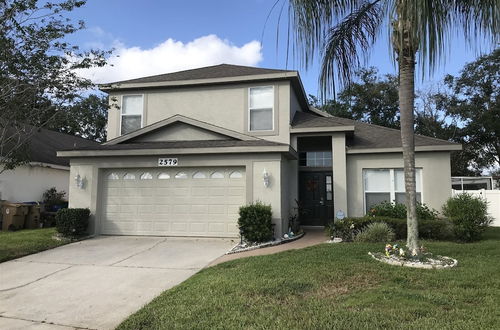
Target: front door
[(316, 198)]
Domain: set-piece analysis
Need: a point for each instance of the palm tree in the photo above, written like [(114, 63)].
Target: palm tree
[(420, 32)]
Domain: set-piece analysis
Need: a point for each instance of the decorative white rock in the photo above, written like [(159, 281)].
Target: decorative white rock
[(440, 262)]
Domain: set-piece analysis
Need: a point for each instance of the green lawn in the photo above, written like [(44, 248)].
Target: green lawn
[(336, 286), (23, 242)]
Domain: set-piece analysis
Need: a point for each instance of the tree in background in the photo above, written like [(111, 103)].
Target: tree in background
[(86, 117), (419, 32), (37, 71), (370, 99), (474, 99)]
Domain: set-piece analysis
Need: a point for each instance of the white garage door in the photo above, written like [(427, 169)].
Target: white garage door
[(176, 202)]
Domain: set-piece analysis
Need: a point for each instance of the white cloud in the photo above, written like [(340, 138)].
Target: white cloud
[(171, 56)]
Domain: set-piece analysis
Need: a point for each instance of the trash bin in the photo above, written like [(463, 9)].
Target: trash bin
[(33, 217), (14, 215)]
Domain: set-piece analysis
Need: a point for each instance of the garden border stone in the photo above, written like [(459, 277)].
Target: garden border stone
[(440, 262), (235, 249)]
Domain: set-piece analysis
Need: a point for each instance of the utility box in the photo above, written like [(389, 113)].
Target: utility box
[(14, 215)]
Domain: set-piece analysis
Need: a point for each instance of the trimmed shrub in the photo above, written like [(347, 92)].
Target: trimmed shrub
[(376, 232), (72, 222), (469, 216), (439, 229), (398, 210), (255, 222)]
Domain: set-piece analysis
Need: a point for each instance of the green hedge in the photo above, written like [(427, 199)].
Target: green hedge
[(72, 222), (439, 229), (398, 210), (255, 222), (469, 216)]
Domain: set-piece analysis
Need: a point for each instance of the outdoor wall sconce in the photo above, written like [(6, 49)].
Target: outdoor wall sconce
[(80, 182), (267, 178)]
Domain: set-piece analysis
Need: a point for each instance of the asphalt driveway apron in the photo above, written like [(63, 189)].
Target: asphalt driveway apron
[(97, 283)]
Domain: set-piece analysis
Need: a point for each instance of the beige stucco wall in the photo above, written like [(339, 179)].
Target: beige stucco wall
[(28, 183), (224, 105), (339, 164), (294, 104), (436, 176), (289, 190), (91, 169)]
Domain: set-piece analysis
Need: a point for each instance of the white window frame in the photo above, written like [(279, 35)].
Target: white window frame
[(250, 109), (121, 111), (392, 191)]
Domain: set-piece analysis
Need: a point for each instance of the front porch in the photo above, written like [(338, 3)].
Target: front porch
[(322, 177)]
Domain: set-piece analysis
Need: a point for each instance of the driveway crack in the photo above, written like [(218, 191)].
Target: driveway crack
[(36, 280), (134, 254), (43, 322)]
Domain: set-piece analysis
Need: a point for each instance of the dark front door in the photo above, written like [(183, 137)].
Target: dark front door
[(316, 198)]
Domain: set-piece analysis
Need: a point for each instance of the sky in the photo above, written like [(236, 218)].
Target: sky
[(159, 36)]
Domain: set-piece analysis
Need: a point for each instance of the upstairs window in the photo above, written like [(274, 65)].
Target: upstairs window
[(260, 108), (131, 113)]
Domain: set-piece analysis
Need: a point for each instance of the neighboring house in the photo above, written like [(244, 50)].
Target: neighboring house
[(27, 183), (473, 183), (187, 149)]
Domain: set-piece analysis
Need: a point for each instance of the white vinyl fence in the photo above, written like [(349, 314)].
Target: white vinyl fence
[(493, 198)]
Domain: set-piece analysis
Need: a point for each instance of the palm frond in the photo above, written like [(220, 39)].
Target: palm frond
[(434, 24), (310, 21), (346, 43)]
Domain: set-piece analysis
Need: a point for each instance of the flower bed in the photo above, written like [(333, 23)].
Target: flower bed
[(397, 256), (249, 246), (427, 261)]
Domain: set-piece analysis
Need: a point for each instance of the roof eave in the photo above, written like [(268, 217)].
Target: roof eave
[(174, 151), (321, 129), (192, 82), (448, 147)]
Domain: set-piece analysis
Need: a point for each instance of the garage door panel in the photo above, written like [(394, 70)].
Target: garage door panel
[(217, 209), (154, 202), (198, 227)]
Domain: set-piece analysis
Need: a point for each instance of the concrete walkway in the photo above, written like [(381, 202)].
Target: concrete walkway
[(312, 237), (97, 283)]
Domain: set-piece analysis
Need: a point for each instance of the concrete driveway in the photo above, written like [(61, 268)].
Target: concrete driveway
[(97, 283)]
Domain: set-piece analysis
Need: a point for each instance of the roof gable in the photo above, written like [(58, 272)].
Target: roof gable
[(180, 128)]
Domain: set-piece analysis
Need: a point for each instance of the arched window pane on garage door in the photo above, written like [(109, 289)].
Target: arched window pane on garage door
[(113, 176), (199, 175), (129, 176), (181, 175), (146, 176), (163, 176), (236, 175), (217, 175)]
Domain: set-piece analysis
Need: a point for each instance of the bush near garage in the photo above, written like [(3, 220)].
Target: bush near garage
[(469, 215), (72, 222), (438, 229), (255, 222)]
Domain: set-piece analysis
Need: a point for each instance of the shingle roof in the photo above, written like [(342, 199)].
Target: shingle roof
[(44, 144), (307, 120), (365, 135), (180, 145), (209, 72)]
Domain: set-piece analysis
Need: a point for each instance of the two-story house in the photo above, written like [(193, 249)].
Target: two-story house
[(187, 149)]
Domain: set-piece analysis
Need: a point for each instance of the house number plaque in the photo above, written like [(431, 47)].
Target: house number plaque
[(168, 161)]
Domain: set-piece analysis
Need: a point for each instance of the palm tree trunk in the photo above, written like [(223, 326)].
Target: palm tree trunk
[(406, 46), (406, 104)]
